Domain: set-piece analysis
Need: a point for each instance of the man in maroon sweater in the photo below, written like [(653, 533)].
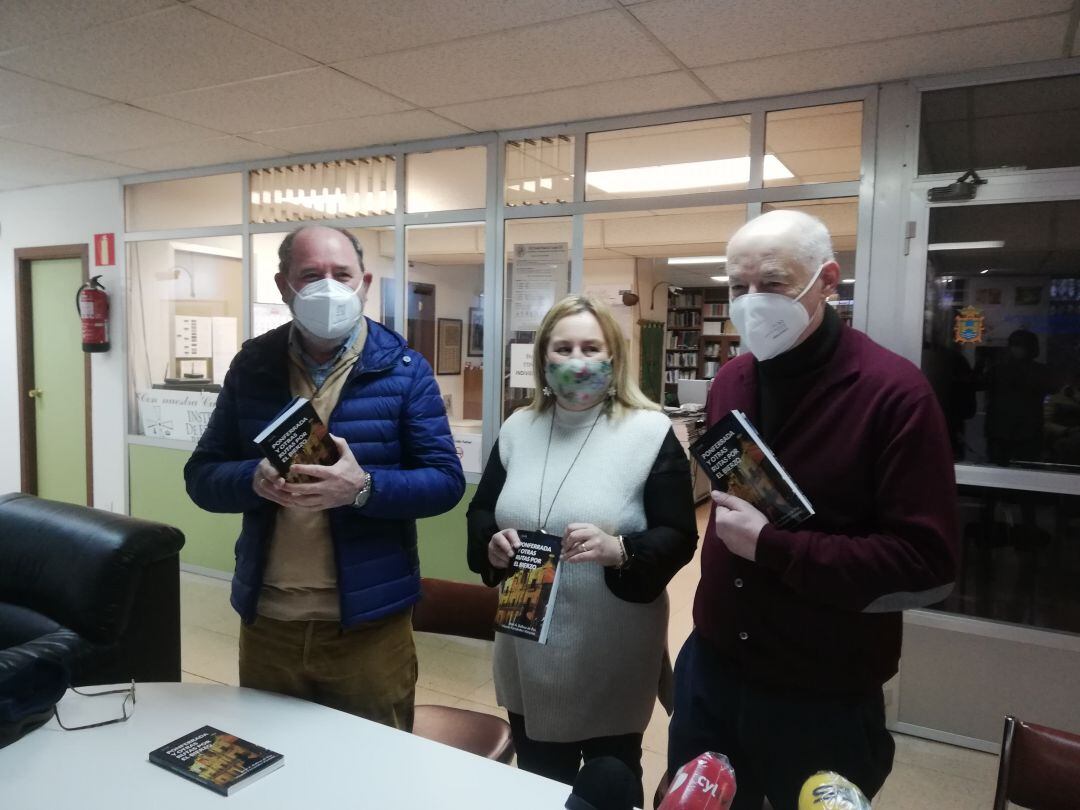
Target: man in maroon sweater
[(797, 630)]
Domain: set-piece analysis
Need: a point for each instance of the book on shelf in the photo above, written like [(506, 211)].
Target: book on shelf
[(221, 762), (528, 594), (740, 463), (297, 436), (712, 328)]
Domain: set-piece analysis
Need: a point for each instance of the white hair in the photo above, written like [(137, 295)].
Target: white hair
[(806, 237)]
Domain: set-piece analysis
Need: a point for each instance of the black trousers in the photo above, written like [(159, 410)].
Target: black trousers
[(561, 761), (775, 740)]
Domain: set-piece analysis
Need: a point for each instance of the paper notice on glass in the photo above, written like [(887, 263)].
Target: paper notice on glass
[(224, 345), (265, 317), (468, 447), (192, 336), (521, 366), (539, 278), (180, 415)]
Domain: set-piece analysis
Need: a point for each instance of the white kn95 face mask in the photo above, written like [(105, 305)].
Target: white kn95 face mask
[(769, 323), (327, 308)]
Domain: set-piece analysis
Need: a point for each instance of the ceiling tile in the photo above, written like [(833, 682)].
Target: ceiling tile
[(1001, 44), (620, 97), (305, 97), (23, 98), (710, 32), (335, 30), (227, 149), (29, 21), (112, 128), (33, 166), (354, 133), (583, 50), (164, 52)]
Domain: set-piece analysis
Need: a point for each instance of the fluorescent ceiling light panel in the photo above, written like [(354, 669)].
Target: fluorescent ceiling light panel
[(208, 250), (987, 245), (689, 176), (847, 281), (697, 260), (721, 279)]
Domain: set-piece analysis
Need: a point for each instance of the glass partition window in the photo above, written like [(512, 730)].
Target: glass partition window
[(1030, 124), (687, 158), (539, 170), (673, 260), (446, 180), (813, 145), (192, 203), (185, 309), (537, 274), (359, 187), (1019, 560), (1001, 337), (269, 311), (841, 217), (445, 323)]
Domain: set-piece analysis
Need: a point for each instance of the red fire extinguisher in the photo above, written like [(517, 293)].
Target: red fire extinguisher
[(93, 304)]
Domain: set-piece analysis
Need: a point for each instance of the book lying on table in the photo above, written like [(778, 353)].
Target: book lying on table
[(216, 760), (741, 464), (297, 436), (528, 592)]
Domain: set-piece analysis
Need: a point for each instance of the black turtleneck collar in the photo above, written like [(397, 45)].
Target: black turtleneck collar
[(782, 380)]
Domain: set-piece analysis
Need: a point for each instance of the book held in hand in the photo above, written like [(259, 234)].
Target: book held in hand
[(528, 592), (741, 464), (216, 760), (297, 436)]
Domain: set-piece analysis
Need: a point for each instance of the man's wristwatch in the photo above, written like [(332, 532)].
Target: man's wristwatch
[(364, 493)]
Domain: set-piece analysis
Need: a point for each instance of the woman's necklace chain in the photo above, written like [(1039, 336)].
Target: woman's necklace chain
[(540, 504)]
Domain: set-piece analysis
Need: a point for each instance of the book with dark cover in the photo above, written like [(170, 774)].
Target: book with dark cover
[(741, 464), (297, 436), (216, 760), (528, 593)]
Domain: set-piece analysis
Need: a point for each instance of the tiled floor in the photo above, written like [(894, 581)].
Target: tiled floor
[(457, 672)]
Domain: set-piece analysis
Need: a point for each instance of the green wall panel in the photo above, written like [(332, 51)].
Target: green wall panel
[(157, 493), (442, 541)]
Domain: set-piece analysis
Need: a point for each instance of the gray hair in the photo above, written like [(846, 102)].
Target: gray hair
[(285, 248), (807, 237)]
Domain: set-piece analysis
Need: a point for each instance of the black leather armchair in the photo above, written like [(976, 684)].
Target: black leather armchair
[(111, 580)]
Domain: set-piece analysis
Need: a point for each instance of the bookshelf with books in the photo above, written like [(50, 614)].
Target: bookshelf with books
[(682, 343), (700, 336), (719, 342)]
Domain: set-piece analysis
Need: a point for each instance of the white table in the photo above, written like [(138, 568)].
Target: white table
[(333, 760)]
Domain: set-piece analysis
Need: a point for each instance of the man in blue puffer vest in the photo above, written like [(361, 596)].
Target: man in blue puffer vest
[(327, 571)]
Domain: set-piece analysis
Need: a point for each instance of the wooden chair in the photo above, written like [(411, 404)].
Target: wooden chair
[(1039, 768), (459, 609)]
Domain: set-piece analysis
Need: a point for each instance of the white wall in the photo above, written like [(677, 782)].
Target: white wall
[(67, 215)]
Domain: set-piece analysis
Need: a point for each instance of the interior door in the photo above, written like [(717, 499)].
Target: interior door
[(421, 335), (999, 304), (58, 392)]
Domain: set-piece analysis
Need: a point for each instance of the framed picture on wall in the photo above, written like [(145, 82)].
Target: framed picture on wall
[(476, 332), (448, 342)]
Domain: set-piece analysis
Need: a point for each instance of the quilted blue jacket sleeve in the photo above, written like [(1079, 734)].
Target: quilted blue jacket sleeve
[(218, 478), (430, 480)]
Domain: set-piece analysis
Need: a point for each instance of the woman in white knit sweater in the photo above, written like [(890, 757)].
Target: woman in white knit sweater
[(594, 462)]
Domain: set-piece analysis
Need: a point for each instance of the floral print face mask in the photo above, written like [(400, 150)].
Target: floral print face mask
[(579, 382)]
